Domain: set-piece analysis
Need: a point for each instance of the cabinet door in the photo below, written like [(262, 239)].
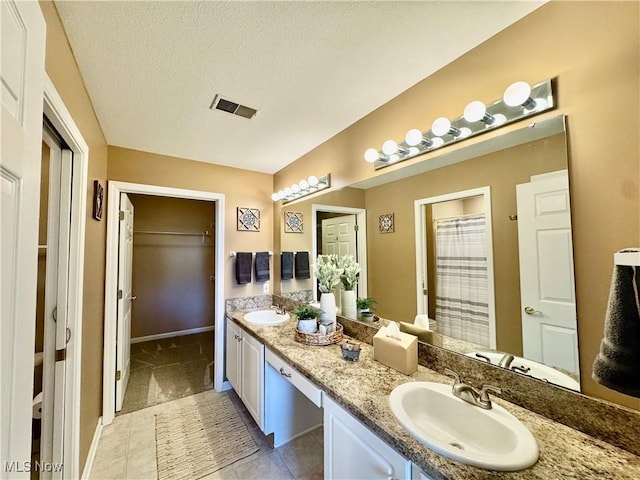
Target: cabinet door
[(352, 451), (252, 378), (234, 350)]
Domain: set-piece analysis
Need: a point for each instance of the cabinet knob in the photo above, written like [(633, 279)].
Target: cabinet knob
[(284, 374)]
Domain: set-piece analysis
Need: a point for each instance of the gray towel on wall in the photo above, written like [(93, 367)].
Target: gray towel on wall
[(243, 267), (262, 266), (302, 266), (286, 265), (616, 366)]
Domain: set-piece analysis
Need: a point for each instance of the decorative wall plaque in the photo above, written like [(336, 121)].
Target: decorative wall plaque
[(293, 222), (248, 219), (385, 223)]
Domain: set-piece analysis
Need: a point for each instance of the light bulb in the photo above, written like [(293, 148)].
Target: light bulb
[(303, 184), (477, 112), (288, 192), (371, 155), (442, 125), (281, 194), (313, 180), (519, 94), (275, 197), (413, 137), (389, 147), (437, 142), (295, 188)]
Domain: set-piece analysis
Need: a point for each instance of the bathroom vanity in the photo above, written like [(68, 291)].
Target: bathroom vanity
[(363, 438)]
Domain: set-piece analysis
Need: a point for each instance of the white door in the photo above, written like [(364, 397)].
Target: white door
[(233, 355), (125, 297), (339, 236), (22, 77), (57, 330), (547, 283), (252, 378)]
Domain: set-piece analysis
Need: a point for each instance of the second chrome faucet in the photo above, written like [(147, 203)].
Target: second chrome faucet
[(479, 398)]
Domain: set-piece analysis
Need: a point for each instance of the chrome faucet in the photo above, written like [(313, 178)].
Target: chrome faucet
[(506, 360), (479, 398), (279, 309)]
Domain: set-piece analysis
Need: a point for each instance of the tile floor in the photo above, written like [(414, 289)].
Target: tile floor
[(127, 450), (168, 369)]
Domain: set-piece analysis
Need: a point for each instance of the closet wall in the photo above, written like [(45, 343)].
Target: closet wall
[(172, 265)]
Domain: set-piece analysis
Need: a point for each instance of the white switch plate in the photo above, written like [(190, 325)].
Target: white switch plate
[(265, 287)]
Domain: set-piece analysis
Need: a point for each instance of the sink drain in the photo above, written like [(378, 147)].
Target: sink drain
[(457, 445)]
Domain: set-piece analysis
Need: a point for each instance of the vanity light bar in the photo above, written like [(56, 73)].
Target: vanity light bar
[(304, 187), (520, 100)]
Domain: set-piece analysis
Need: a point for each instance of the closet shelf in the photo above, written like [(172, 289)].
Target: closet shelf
[(194, 234)]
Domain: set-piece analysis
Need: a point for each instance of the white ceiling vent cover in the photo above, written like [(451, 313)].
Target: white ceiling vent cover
[(229, 106)]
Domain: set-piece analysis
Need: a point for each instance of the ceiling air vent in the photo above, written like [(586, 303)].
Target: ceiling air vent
[(229, 106)]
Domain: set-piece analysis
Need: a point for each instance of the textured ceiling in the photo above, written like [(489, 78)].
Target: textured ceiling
[(310, 68)]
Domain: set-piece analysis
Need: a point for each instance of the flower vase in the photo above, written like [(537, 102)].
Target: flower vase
[(349, 303), (328, 307)]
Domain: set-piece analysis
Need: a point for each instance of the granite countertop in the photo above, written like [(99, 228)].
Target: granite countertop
[(363, 388)]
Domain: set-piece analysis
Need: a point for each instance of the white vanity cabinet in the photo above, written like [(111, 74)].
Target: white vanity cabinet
[(245, 369), (352, 451)]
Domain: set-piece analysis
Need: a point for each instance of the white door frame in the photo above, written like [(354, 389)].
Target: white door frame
[(61, 120), (361, 238), (421, 250), (115, 188)]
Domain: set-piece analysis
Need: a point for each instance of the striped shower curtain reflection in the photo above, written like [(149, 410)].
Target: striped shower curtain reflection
[(462, 309)]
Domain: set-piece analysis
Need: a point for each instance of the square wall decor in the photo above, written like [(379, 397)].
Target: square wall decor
[(385, 223), (293, 222), (248, 219)]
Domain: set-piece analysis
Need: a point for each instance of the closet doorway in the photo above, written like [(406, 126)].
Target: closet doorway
[(164, 309), (169, 299)]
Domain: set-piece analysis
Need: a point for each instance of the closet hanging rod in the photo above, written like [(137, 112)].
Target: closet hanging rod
[(195, 234)]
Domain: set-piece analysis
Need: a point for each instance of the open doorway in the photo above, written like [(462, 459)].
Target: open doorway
[(172, 301), (115, 328)]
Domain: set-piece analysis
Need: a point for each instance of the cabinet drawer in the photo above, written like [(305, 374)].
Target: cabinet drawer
[(307, 388)]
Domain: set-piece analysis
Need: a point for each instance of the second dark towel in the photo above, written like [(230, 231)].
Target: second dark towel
[(302, 265), (262, 266), (243, 267), (286, 265)]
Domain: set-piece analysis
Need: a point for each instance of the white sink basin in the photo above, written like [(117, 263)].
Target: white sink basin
[(536, 370), (492, 439), (265, 317)]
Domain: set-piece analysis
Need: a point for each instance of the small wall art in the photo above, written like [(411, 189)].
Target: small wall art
[(386, 223), (293, 222), (248, 219), (98, 200)]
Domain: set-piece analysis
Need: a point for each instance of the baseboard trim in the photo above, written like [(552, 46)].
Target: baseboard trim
[(93, 449), (160, 336)]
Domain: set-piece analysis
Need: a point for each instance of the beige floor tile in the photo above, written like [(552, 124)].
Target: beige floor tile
[(303, 455), (266, 467)]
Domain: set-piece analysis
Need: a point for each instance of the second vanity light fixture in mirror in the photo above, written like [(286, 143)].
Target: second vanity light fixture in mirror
[(519, 101), (304, 187)]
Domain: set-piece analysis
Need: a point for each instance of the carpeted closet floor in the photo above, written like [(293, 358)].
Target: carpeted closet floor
[(169, 369)]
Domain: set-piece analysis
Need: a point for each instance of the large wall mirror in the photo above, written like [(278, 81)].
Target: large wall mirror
[(480, 247)]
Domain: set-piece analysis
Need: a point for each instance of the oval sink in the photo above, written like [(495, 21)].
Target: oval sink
[(265, 317), (491, 439), (536, 370)]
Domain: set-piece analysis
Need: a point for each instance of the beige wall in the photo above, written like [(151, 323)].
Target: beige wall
[(171, 273), (63, 71), (242, 188), (592, 51)]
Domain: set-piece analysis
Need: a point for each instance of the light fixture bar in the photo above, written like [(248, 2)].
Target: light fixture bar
[(517, 103), (305, 187)]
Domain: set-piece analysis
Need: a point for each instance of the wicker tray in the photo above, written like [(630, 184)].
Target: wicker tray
[(320, 339)]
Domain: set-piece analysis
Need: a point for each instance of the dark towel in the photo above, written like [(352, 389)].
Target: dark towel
[(616, 366), (262, 266), (302, 265), (286, 265), (243, 267)]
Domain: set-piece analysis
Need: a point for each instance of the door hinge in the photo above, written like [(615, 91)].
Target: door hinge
[(61, 355), (356, 227), (118, 375), (121, 215), (119, 294)]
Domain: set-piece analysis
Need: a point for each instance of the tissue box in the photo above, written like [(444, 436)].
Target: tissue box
[(401, 355), (424, 334)]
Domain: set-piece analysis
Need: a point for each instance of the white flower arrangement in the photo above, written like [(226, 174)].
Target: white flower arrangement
[(350, 271), (328, 272)]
